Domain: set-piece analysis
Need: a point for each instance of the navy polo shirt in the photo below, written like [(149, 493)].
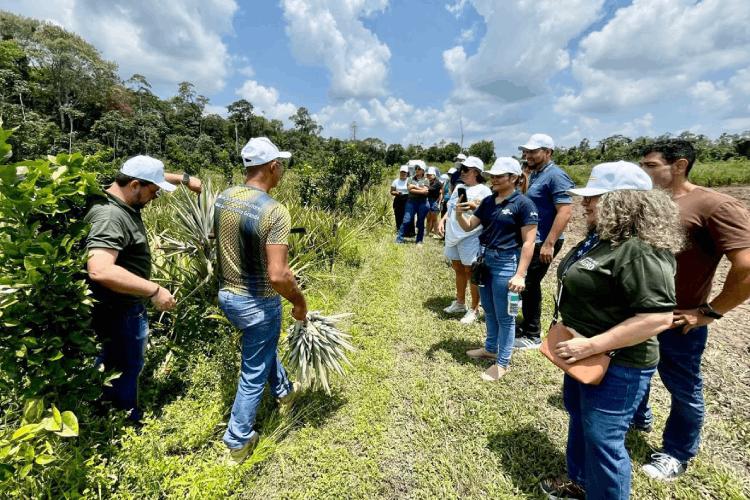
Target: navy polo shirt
[(503, 221), (547, 188)]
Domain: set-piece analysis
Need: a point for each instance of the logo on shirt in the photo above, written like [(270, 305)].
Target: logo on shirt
[(506, 211), (534, 214), (588, 263)]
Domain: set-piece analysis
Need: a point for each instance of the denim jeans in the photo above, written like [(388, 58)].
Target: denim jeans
[(259, 320), (680, 371), (418, 208), (500, 325), (532, 295), (123, 332), (599, 419)]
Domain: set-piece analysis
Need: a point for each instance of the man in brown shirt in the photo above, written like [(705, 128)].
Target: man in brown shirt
[(716, 225)]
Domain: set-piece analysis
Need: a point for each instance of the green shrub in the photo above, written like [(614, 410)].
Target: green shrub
[(46, 345)]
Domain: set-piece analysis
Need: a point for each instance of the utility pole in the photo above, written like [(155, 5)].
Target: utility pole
[(353, 128), (461, 124)]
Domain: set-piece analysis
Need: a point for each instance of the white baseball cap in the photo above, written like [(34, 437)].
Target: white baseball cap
[(260, 150), (473, 162), (537, 141), (148, 169), (505, 165), (445, 177), (404, 168), (420, 164), (614, 176), (452, 170), (461, 156), (432, 171)]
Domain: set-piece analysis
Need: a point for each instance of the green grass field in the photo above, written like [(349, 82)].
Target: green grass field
[(412, 419)]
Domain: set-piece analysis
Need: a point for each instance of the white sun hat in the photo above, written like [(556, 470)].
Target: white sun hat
[(404, 168), (537, 141), (452, 170), (614, 176), (473, 162), (445, 177), (505, 165), (461, 156), (148, 169), (260, 150), (432, 171)]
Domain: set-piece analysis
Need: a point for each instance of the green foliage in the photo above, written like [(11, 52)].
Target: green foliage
[(46, 346), (336, 184), (485, 150), (711, 174)]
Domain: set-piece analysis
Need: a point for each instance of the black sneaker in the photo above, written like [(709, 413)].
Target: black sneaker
[(562, 488)]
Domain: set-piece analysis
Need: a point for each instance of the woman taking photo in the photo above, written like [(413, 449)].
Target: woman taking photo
[(616, 292), (400, 193), (509, 222), (462, 247), (416, 204)]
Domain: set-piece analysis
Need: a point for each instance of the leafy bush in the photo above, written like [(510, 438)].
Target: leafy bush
[(46, 345)]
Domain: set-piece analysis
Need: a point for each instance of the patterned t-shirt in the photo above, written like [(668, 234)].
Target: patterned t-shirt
[(245, 221)]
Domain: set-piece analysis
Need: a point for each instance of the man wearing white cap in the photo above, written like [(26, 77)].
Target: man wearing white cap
[(548, 188), (252, 231), (119, 269)]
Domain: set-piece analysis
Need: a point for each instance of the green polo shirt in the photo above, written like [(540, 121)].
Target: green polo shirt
[(118, 226), (609, 285)]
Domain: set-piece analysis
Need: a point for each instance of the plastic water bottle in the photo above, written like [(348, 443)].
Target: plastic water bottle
[(514, 304)]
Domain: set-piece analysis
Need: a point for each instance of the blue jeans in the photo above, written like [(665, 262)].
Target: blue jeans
[(501, 326), (123, 332), (418, 208), (599, 419), (259, 320), (680, 371)]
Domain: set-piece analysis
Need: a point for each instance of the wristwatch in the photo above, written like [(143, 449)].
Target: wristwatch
[(185, 179), (709, 312)]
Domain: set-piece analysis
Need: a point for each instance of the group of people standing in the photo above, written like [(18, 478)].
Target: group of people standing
[(637, 288)]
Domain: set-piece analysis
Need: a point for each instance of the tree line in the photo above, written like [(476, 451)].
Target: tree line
[(62, 96)]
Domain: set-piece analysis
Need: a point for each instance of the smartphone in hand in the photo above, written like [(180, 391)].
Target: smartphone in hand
[(461, 194)]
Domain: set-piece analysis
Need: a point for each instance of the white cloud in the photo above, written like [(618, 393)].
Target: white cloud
[(266, 101), (467, 35), (524, 45), (167, 42), (247, 71), (457, 7), (331, 33), (653, 49), (710, 95)]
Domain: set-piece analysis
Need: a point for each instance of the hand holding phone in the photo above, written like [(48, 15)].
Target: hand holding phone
[(461, 194)]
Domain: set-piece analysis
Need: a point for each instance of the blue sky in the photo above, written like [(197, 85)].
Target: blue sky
[(411, 71)]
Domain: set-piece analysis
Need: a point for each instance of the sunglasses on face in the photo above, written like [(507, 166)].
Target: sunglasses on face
[(464, 168)]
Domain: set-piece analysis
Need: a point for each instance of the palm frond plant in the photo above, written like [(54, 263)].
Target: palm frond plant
[(317, 350)]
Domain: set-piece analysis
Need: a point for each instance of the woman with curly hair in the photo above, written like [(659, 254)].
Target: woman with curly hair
[(616, 292)]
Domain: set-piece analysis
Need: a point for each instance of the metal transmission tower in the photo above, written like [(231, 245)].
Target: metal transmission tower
[(353, 128)]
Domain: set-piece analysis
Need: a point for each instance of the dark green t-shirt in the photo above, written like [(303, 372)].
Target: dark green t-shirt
[(118, 226), (609, 285)]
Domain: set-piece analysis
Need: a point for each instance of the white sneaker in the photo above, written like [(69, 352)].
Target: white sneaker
[(470, 317), (525, 343), (455, 308), (664, 467)]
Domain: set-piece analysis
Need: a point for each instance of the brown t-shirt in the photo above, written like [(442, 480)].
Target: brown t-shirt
[(715, 223)]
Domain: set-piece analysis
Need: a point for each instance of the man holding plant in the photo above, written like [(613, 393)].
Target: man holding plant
[(119, 269), (252, 231)]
